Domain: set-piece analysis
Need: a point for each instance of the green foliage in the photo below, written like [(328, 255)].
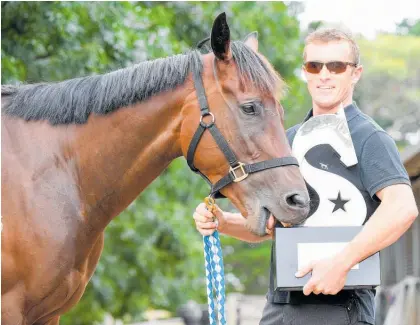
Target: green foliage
[(389, 88), (51, 41), (409, 27), (153, 255), (391, 54)]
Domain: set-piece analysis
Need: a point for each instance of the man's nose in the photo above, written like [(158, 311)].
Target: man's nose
[(324, 73)]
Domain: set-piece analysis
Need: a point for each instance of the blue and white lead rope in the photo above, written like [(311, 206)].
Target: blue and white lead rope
[(215, 278), (215, 274)]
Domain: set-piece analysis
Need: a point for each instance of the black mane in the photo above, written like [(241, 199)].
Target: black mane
[(72, 101)]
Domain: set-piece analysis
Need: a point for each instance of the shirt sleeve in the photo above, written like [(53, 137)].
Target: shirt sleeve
[(380, 163)]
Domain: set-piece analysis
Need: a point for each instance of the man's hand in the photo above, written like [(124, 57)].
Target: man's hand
[(206, 222), (328, 276)]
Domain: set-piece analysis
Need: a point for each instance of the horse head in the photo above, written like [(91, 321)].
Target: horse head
[(242, 123)]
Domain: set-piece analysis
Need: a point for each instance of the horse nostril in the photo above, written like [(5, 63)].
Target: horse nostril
[(297, 200)]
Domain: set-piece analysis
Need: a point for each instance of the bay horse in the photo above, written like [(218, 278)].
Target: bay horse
[(76, 153)]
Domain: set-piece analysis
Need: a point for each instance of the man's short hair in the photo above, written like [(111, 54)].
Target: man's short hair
[(333, 35)]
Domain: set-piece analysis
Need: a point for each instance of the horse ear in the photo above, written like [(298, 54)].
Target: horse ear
[(252, 41), (220, 38)]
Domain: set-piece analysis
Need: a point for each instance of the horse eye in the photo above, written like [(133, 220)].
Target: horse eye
[(248, 108)]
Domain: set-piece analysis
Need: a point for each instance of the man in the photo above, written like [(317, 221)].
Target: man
[(332, 69)]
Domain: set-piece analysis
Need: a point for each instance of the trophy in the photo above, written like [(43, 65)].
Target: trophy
[(327, 160)]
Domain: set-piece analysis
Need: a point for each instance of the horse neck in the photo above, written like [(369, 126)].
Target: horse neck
[(120, 154)]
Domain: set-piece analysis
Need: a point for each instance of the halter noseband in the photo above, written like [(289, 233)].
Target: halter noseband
[(238, 171)]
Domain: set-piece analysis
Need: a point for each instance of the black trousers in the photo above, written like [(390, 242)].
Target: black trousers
[(310, 314)]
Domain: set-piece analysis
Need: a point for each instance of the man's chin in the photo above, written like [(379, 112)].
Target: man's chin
[(327, 104)]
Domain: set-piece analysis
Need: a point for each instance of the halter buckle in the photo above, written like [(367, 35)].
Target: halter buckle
[(233, 170)]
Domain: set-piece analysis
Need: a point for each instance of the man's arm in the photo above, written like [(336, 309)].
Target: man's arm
[(231, 224), (389, 222), (235, 226)]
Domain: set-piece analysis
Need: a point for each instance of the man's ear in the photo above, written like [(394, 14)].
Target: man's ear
[(357, 73), (220, 38), (251, 40)]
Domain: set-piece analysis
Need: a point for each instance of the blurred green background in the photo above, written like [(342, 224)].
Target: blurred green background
[(153, 255)]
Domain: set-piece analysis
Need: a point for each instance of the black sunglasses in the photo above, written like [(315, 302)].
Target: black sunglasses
[(333, 66)]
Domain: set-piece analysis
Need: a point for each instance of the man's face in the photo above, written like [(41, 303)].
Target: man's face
[(328, 89)]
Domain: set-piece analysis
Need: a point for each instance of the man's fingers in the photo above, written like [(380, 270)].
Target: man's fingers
[(206, 225), (310, 285), (271, 222), (308, 288), (201, 209), (199, 217), (303, 271), (207, 232)]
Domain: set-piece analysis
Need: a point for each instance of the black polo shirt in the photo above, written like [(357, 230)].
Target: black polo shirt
[(379, 165)]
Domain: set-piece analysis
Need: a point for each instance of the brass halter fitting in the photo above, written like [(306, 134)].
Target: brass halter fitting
[(233, 171), (210, 204)]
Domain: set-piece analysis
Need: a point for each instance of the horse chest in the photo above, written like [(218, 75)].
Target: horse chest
[(57, 284)]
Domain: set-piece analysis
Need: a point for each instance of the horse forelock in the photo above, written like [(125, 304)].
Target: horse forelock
[(256, 71), (73, 100)]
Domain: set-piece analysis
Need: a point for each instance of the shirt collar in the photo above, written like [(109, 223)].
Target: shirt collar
[(350, 111)]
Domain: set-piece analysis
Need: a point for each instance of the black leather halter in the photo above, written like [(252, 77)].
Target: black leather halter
[(238, 171)]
